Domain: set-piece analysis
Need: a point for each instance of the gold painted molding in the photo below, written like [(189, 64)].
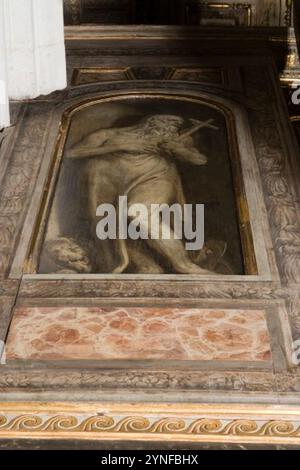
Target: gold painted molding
[(269, 424), (79, 72)]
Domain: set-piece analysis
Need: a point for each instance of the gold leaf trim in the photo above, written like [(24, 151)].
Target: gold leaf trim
[(139, 424), (153, 422)]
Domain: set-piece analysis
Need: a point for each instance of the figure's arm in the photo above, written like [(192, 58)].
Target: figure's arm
[(186, 152), (104, 142), (190, 155), (97, 144), (88, 152)]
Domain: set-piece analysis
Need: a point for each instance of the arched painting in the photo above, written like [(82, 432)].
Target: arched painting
[(154, 149)]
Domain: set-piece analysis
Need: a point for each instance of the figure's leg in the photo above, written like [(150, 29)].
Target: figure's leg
[(141, 260), (173, 250), (164, 191)]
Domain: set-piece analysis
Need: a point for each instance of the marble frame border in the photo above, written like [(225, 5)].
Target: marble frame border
[(249, 173)]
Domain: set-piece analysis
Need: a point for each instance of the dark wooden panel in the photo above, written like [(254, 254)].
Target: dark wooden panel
[(99, 11), (108, 11), (213, 14)]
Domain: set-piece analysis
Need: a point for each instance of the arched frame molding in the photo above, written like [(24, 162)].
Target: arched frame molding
[(245, 170)]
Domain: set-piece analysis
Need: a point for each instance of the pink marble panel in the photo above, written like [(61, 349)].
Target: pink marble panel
[(138, 334)]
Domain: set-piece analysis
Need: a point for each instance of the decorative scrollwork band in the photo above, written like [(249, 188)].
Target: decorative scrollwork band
[(225, 426), (133, 424)]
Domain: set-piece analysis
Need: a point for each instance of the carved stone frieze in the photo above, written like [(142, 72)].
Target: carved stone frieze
[(138, 379), (20, 178), (280, 194)]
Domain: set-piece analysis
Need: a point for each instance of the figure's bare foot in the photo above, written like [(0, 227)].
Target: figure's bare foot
[(212, 252)]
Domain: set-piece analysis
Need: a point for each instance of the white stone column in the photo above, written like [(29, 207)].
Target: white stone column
[(33, 49), (4, 104)]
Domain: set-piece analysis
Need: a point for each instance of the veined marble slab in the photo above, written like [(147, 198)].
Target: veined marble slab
[(187, 334)]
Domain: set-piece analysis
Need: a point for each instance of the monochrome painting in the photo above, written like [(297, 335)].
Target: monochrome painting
[(150, 151)]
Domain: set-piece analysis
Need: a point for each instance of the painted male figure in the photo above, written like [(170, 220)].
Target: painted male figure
[(139, 162)]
